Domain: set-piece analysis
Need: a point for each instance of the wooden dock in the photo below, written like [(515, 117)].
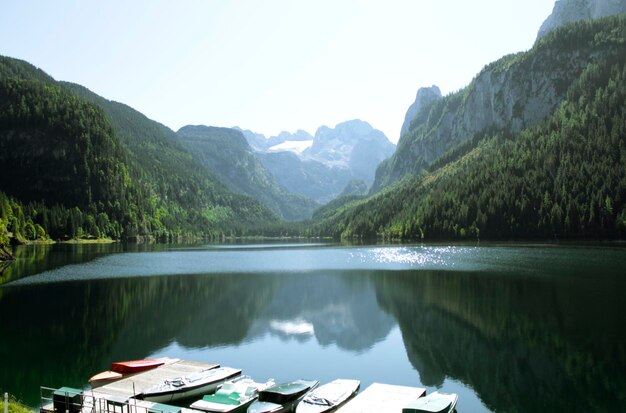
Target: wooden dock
[(130, 386), (118, 396), (382, 398)]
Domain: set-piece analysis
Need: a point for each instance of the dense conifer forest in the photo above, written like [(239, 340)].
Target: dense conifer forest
[(78, 166), (564, 178)]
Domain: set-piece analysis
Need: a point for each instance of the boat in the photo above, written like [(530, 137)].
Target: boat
[(266, 407), (282, 397), (232, 397), (123, 369), (135, 366), (192, 385), (329, 396), (105, 377), (433, 403)]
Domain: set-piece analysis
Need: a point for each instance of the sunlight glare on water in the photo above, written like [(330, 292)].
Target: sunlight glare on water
[(444, 317), (419, 256), (301, 258)]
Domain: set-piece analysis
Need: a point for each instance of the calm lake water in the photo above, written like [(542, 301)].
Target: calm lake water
[(510, 328)]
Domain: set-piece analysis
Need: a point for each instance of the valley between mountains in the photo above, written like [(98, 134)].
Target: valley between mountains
[(533, 148)]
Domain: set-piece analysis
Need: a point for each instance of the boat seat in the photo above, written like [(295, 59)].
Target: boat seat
[(228, 387)]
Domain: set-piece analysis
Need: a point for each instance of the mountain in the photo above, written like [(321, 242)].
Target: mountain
[(530, 175), (260, 143), (509, 95), (78, 165), (321, 166), (570, 11), (354, 145), (308, 178), (226, 153), (354, 188), (164, 164), (425, 97), (299, 135), (56, 147)]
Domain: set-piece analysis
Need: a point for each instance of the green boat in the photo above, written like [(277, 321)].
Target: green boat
[(283, 397), (232, 397)]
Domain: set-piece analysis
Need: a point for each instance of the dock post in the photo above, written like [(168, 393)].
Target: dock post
[(6, 402)]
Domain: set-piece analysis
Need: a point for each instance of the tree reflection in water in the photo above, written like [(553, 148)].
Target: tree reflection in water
[(521, 342)]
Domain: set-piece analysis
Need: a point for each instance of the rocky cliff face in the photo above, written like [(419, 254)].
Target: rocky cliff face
[(350, 150), (506, 96), (425, 97), (352, 145), (570, 11)]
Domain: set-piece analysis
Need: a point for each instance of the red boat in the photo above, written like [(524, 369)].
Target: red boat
[(135, 366), (122, 369)]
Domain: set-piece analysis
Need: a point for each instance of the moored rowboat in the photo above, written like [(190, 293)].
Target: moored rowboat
[(135, 366), (282, 397), (232, 397), (433, 403), (192, 385), (329, 396), (123, 369)]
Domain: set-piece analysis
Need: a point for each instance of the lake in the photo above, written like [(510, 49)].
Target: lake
[(510, 328)]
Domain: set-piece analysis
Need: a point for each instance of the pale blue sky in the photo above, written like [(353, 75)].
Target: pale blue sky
[(268, 65)]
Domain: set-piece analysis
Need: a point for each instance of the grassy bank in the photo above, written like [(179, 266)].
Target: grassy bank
[(89, 241), (14, 406)]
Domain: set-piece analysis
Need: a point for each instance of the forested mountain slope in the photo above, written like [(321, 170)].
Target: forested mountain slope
[(167, 168), (228, 155), (77, 165), (564, 177), (509, 95)]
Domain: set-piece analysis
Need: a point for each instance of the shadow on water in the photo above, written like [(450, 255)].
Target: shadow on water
[(33, 259), (61, 333), (523, 344), (555, 342)]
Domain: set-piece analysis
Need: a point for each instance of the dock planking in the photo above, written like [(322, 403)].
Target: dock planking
[(382, 398), (118, 396), (136, 384)]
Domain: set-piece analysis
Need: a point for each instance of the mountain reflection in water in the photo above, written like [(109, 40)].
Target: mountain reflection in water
[(519, 340)]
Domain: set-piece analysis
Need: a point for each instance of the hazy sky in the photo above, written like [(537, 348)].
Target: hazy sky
[(268, 65)]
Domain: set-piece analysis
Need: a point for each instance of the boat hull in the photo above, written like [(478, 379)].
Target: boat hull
[(190, 386), (179, 395), (287, 392), (105, 377), (287, 395), (136, 366), (266, 407), (433, 403), (222, 408), (329, 396), (234, 396), (123, 369)]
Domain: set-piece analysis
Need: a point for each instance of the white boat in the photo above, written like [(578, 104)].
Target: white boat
[(192, 385), (433, 403), (329, 396), (234, 396)]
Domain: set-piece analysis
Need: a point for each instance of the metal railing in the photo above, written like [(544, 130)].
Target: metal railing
[(68, 400)]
